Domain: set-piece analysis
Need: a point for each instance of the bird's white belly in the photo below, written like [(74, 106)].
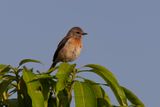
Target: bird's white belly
[(72, 53)]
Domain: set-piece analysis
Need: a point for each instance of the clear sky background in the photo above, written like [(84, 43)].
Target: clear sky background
[(124, 36)]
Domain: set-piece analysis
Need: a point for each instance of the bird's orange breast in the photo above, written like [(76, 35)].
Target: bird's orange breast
[(76, 41), (71, 50)]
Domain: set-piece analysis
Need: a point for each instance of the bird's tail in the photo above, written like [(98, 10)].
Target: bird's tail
[(53, 65)]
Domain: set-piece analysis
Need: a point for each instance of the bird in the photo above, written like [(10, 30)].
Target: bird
[(69, 48)]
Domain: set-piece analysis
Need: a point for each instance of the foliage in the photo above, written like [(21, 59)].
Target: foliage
[(50, 89)]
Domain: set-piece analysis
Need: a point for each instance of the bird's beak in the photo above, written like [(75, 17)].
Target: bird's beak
[(84, 33)]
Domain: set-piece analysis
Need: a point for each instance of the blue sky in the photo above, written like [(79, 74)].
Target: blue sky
[(123, 36)]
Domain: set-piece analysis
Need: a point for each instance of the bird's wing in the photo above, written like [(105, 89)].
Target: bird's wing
[(60, 46)]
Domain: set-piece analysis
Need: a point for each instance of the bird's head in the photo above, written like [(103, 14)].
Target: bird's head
[(76, 32)]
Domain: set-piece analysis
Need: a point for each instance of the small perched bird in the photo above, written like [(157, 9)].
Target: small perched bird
[(70, 46)]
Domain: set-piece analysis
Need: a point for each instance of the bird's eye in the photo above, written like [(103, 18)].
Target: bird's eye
[(78, 32)]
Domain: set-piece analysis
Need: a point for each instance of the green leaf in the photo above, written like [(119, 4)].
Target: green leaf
[(111, 81), (62, 75), (46, 90), (64, 98), (133, 98), (23, 97), (51, 70), (24, 61), (103, 99), (42, 76), (46, 81), (5, 83), (34, 89), (4, 69), (84, 95)]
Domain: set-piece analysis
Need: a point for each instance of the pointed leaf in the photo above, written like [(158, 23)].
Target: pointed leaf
[(133, 98), (23, 97), (42, 76), (62, 75), (64, 98), (111, 81), (5, 83), (84, 95), (24, 61), (45, 91), (49, 71), (34, 89), (103, 99), (4, 69)]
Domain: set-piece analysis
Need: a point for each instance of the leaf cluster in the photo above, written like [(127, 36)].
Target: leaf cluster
[(50, 89)]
